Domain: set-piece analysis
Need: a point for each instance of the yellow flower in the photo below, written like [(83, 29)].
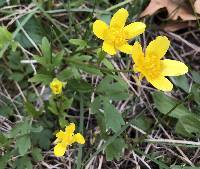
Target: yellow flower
[(115, 35), (56, 86), (66, 138), (154, 69)]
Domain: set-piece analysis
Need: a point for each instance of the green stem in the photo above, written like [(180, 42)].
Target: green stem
[(80, 151)]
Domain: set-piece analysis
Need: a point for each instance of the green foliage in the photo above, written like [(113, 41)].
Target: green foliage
[(114, 150), (188, 122), (113, 118), (56, 41)]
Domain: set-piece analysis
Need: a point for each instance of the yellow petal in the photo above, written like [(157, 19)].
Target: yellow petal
[(70, 128), (119, 19), (109, 48), (158, 47), (126, 48), (99, 28), (173, 68), (79, 138), (60, 134), (134, 29), (161, 83), (137, 54), (59, 150)]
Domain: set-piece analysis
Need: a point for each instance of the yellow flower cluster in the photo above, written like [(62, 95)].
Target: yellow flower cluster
[(67, 138), (148, 64)]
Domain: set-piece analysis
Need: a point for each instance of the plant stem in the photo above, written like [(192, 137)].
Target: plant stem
[(80, 151)]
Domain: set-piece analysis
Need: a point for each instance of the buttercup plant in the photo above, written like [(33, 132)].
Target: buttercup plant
[(149, 65), (116, 35)]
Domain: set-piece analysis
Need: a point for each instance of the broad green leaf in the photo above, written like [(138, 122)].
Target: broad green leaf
[(113, 88), (37, 154), (114, 150), (17, 76), (23, 143), (196, 92), (41, 78), (196, 76), (188, 126), (20, 129), (42, 138), (96, 105), (113, 118), (23, 163), (181, 82), (143, 122), (165, 104)]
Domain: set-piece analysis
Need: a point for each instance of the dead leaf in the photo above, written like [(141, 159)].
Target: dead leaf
[(197, 6), (175, 26), (175, 8)]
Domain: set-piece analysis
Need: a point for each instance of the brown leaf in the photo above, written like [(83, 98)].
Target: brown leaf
[(173, 27), (197, 6), (175, 8)]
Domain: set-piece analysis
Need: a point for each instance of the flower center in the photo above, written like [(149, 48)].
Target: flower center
[(115, 36), (151, 68)]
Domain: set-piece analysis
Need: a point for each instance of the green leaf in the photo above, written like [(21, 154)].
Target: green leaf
[(34, 29), (3, 139), (113, 118), (46, 48), (80, 85), (23, 163), (41, 78), (78, 42), (114, 150), (5, 35), (4, 159), (196, 76), (66, 74), (5, 111), (196, 93), (164, 104), (113, 87), (42, 138), (20, 129), (30, 109), (143, 122), (188, 126), (37, 154), (17, 76), (23, 143), (88, 69), (181, 82)]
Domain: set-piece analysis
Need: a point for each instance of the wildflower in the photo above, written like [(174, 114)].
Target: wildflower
[(56, 86), (66, 138), (150, 66), (115, 35)]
